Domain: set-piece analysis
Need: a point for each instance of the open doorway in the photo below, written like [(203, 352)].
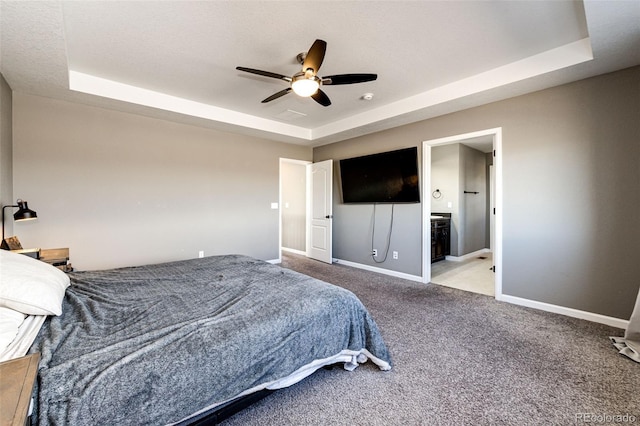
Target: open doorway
[(305, 213), (461, 207), (294, 206)]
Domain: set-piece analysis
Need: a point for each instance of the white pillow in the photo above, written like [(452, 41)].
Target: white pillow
[(10, 322), (30, 286)]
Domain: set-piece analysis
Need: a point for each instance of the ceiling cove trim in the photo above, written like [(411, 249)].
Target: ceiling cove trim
[(551, 60), (98, 86), (545, 62)]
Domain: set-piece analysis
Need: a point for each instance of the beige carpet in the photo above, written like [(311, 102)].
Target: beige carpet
[(459, 358)]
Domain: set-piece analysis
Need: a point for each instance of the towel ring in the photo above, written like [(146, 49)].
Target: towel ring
[(436, 194)]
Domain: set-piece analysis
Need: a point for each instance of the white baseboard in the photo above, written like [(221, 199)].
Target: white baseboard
[(274, 261), (468, 255), (556, 309), (379, 270), (570, 312)]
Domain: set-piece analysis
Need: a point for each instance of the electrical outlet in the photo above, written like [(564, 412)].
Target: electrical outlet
[(201, 253), (374, 252), (395, 255)]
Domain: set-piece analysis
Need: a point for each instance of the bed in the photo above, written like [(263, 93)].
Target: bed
[(170, 343)]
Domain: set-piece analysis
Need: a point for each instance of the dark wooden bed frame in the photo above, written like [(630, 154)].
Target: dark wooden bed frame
[(223, 412)]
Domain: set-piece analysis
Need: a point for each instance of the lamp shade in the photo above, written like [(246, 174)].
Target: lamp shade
[(305, 84), (24, 213)]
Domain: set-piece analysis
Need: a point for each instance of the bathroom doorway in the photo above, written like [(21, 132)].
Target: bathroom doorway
[(458, 185)]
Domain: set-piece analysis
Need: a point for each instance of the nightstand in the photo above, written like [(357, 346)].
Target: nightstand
[(17, 377), (58, 257)]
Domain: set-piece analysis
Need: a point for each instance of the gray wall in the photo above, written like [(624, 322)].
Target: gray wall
[(571, 191), (445, 176), (473, 206), (353, 224), (294, 205), (122, 189), (6, 168)]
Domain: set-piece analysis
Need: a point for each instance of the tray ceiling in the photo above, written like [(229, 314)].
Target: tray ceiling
[(176, 60)]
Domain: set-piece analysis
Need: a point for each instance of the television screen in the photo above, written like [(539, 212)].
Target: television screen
[(388, 177)]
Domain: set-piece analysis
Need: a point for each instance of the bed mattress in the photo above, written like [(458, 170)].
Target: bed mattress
[(155, 344)]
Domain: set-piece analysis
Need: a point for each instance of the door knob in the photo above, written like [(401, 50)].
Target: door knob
[(328, 216)]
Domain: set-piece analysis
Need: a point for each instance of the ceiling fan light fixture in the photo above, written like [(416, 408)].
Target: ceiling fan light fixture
[(306, 83), (305, 86)]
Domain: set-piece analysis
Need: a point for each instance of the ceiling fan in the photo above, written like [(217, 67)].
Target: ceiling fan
[(306, 83)]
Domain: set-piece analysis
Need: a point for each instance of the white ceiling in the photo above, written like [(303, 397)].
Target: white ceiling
[(176, 59)]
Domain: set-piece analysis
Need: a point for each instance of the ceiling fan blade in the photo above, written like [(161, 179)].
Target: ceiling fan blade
[(277, 95), (321, 98), (265, 73), (315, 56), (348, 79)]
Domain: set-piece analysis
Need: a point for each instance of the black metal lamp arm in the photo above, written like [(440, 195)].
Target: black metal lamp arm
[(4, 207)]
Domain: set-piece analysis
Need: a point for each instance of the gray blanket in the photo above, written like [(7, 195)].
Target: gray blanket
[(154, 344)]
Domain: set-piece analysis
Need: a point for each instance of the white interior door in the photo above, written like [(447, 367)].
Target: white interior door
[(320, 241), (492, 216)]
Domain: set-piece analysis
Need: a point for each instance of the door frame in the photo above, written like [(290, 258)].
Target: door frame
[(492, 202), (496, 134), (307, 203)]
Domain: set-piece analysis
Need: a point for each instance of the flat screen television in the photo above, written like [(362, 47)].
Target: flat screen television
[(388, 177)]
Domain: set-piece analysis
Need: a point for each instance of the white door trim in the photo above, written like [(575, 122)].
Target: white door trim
[(492, 197), (496, 133)]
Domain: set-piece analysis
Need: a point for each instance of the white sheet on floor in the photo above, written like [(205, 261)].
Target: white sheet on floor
[(630, 344)]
